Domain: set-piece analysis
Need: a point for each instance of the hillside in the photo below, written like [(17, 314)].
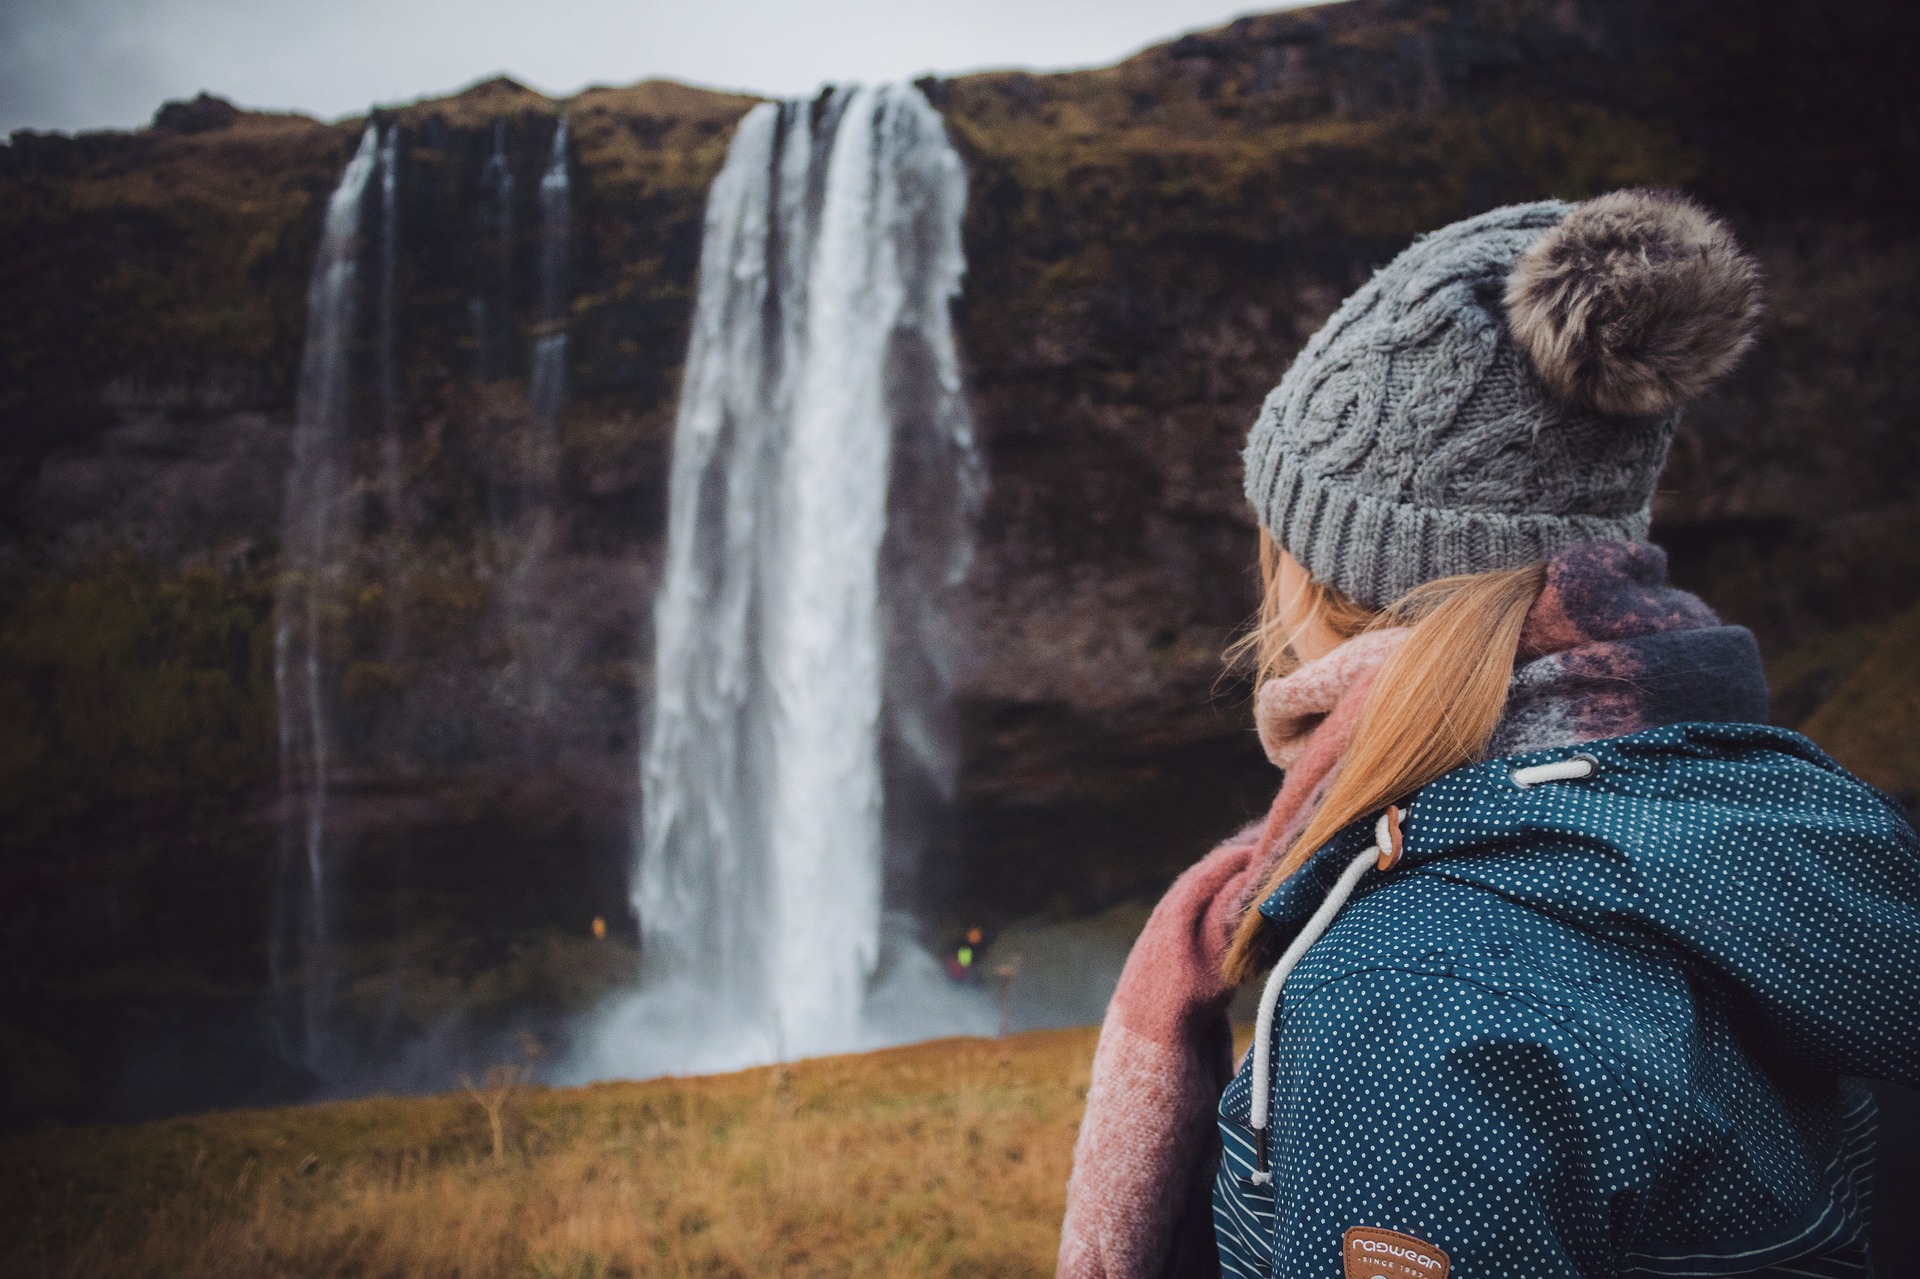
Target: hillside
[(947, 1158)]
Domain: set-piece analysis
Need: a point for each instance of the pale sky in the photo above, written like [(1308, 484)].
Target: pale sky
[(88, 64)]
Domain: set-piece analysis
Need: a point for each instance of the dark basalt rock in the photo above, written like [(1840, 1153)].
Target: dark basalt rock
[(201, 114)]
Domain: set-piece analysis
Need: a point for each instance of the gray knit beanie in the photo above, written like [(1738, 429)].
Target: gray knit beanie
[(1505, 387)]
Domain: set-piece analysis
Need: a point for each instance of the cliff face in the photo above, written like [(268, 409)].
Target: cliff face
[(155, 310), (1148, 247)]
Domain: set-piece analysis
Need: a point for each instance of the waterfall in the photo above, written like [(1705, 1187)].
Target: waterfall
[(391, 480), (821, 350), (527, 530), (493, 315), (345, 530), (317, 536), (548, 386), (391, 460)]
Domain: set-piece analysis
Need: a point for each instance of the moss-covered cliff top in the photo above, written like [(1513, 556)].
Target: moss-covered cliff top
[(177, 254), (176, 257)]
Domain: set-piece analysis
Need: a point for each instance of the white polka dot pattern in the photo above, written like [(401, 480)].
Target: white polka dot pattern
[(1595, 1027)]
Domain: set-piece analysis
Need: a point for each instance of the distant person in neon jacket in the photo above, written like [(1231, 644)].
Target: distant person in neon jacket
[(1567, 961)]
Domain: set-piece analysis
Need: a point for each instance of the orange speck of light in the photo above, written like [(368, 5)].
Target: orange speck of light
[(599, 928)]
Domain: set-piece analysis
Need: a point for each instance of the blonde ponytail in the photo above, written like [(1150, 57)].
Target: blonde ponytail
[(1432, 708)]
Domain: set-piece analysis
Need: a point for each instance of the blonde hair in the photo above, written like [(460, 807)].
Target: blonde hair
[(1432, 708), (1268, 644)]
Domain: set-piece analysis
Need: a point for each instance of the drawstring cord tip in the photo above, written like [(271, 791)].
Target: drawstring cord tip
[(1261, 1176), (1387, 837)]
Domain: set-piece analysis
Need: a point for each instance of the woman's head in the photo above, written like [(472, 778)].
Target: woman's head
[(1505, 388)]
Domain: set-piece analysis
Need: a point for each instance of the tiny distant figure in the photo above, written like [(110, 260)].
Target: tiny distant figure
[(963, 955), (1569, 964)]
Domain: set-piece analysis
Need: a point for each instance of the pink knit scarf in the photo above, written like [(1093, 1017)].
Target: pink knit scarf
[(1162, 1058)]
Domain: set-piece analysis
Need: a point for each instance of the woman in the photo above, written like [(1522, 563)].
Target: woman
[(1565, 959)]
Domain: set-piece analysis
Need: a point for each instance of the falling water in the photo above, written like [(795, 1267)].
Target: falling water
[(315, 531), (392, 471), (527, 532), (821, 341), (390, 447), (493, 315), (548, 387)]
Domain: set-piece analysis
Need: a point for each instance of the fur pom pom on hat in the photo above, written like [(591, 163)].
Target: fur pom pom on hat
[(1504, 388), (1635, 303)]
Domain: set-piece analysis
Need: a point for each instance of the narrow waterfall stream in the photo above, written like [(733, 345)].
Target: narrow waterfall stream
[(493, 301), (547, 386), (821, 349), (528, 529), (350, 552), (392, 480), (318, 538)]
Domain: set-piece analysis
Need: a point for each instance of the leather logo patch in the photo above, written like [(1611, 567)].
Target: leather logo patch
[(1388, 1254)]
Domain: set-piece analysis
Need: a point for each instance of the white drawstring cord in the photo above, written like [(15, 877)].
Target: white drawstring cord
[(1571, 769), (1385, 848), (1384, 853)]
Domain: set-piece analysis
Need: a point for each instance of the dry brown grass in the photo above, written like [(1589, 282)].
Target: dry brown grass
[(948, 1158)]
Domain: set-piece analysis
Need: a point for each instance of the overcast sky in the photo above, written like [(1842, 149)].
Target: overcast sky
[(84, 64)]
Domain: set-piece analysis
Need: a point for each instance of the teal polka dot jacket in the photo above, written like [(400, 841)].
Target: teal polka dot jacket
[(1609, 1023)]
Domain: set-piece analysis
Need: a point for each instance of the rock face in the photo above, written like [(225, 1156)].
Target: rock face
[(154, 331), (1148, 246)]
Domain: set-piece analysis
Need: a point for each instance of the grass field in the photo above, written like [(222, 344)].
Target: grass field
[(947, 1158)]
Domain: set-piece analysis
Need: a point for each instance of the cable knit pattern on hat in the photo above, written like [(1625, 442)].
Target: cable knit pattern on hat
[(1413, 439)]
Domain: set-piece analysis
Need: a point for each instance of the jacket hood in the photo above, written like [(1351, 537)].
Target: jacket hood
[(1780, 882)]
